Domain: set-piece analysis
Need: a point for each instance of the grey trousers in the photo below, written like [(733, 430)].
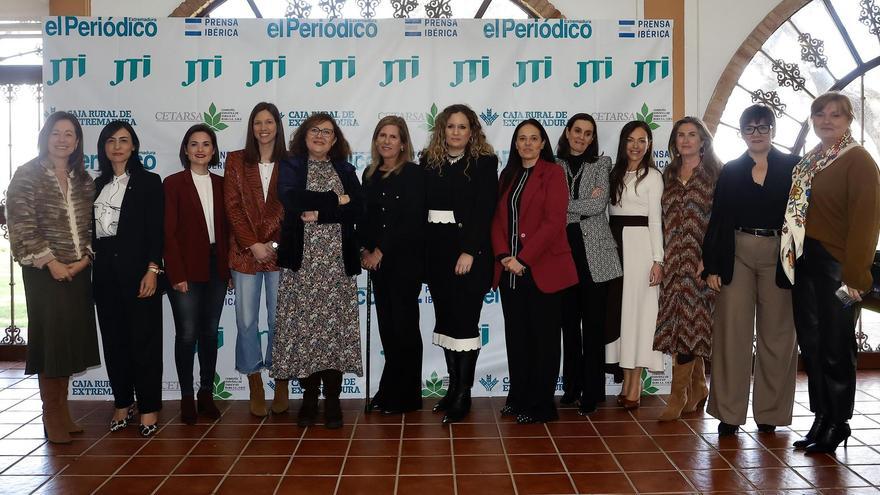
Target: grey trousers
[(752, 301)]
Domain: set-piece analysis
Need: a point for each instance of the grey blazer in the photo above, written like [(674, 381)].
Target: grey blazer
[(602, 258)]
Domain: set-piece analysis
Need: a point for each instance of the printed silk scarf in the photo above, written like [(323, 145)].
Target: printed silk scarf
[(794, 230)]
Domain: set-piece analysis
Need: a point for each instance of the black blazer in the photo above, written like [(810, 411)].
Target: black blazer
[(475, 196), (719, 242), (140, 232), (395, 219), (296, 199)]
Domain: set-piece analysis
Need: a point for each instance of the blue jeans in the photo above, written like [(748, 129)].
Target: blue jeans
[(248, 345)]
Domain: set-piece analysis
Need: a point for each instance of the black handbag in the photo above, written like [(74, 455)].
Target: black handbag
[(871, 300)]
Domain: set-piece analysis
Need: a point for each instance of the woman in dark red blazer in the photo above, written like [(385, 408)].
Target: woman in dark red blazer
[(196, 263), (533, 265)]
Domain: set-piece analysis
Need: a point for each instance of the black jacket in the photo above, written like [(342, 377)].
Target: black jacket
[(395, 219), (296, 199), (719, 243), (140, 232)]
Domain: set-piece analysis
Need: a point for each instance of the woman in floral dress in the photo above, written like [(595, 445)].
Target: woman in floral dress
[(317, 335)]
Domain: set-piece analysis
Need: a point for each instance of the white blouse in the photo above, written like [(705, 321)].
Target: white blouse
[(109, 204), (206, 197), (266, 177)]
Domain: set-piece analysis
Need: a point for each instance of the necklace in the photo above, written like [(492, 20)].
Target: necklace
[(453, 159)]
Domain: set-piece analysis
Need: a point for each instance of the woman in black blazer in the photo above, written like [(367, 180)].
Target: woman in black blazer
[(128, 258), (461, 181), (391, 236)]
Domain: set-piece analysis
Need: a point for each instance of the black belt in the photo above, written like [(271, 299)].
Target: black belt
[(628, 221), (760, 232)]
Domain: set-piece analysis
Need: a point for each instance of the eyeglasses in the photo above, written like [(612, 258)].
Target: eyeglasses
[(317, 131), (762, 129)]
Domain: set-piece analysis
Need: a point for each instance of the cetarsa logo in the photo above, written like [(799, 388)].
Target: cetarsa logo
[(533, 70), (488, 116), (488, 382), (215, 27), (100, 27), (336, 28), (406, 68), (431, 118), (220, 392), (214, 119), (540, 29)]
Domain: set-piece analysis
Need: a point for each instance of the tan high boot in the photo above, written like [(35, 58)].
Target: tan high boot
[(258, 394), (53, 422), (678, 395), (281, 401), (698, 390), (72, 426)]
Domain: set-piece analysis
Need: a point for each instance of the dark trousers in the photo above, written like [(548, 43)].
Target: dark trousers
[(583, 339), (397, 308), (825, 332), (532, 330), (196, 317)]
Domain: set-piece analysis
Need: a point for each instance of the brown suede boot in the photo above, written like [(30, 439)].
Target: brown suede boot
[(53, 423), (698, 390), (281, 401), (678, 395), (72, 426), (258, 394)]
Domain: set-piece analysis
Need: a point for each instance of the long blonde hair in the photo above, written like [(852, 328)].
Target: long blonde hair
[(406, 154), (477, 146), (711, 162)]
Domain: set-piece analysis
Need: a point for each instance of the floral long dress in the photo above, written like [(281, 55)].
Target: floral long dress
[(684, 323), (316, 322)]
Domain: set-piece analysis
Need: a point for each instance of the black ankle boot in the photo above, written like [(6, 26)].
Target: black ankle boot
[(819, 424), (446, 400), (308, 411), (466, 365), (727, 429), (332, 407), (830, 438)]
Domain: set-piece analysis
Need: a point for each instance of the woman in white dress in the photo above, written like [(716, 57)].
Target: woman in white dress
[(636, 186)]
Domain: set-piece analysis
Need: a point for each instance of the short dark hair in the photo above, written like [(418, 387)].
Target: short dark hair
[(757, 113), (215, 158), (252, 147), (340, 149), (563, 147), (134, 164)]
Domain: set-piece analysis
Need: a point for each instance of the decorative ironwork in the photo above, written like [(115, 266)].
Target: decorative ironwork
[(862, 344), (368, 8), (870, 16), (788, 75), (333, 8), (3, 225), (812, 50), (13, 336), (771, 99), (437, 9), (402, 8), (299, 9)]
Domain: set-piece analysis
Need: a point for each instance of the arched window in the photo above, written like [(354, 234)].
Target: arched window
[(372, 9)]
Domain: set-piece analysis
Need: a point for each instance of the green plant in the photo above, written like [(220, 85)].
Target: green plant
[(647, 117), (648, 387), (212, 119), (434, 386), (220, 392), (430, 117)]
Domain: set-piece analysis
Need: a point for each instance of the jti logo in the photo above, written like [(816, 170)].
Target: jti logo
[(651, 66), (531, 70), (406, 67), (484, 334), (137, 67), (342, 68), (592, 70), (472, 65), (69, 64), (270, 67), (204, 68)]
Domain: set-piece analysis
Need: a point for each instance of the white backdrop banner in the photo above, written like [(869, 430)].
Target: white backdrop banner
[(164, 75)]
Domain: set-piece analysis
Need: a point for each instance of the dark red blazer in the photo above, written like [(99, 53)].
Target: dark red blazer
[(544, 243), (251, 218), (187, 250)]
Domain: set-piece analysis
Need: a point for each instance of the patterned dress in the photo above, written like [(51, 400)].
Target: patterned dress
[(316, 325), (684, 324)]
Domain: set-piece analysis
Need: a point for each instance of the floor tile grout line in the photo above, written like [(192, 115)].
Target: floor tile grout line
[(784, 463), (451, 432), (503, 450), (240, 452), (561, 460), (184, 456), (354, 427), (399, 452), (607, 448), (292, 457)]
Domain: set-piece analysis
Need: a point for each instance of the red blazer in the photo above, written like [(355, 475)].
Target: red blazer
[(544, 243), (187, 249), (252, 219)]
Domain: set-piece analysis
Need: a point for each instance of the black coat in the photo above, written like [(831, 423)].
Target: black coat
[(719, 243), (292, 192), (395, 219), (140, 232)]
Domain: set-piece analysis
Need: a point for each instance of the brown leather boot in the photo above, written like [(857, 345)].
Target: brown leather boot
[(54, 425), (72, 426), (281, 400), (258, 394), (678, 396), (698, 390)]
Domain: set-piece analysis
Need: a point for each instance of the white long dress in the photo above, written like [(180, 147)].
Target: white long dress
[(642, 246)]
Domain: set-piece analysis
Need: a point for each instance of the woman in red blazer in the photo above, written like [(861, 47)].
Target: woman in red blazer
[(533, 265), (196, 263)]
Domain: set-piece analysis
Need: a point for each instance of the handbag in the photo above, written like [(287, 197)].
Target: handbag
[(871, 300)]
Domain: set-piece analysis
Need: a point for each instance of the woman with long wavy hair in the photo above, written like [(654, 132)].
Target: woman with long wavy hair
[(461, 180)]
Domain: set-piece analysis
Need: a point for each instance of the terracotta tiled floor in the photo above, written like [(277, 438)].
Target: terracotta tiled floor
[(611, 452)]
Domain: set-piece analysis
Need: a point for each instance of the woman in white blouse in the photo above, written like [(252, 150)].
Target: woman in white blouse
[(636, 186), (128, 257)]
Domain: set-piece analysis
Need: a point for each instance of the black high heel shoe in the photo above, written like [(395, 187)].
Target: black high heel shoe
[(147, 431), (828, 441), (117, 425), (815, 430)]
